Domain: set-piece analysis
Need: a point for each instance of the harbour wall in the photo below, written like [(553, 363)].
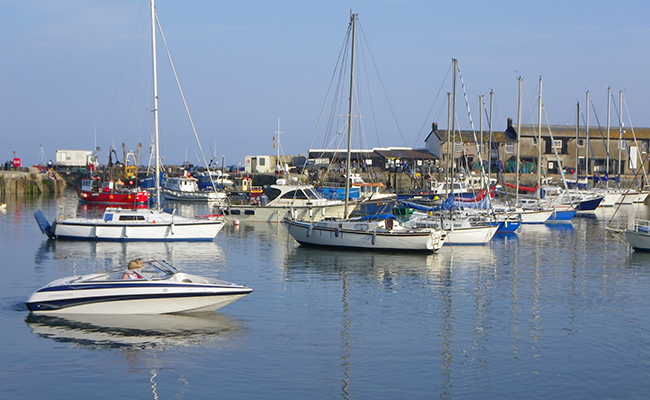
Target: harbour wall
[(30, 180)]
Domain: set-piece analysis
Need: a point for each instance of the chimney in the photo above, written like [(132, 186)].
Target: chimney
[(509, 122), (434, 127)]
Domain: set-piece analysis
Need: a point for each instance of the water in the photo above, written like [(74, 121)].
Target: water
[(557, 311)]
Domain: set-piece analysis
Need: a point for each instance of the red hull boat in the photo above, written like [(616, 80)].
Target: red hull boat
[(94, 191)]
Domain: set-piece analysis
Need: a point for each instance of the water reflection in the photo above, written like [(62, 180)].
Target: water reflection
[(103, 254), (370, 263), (136, 332), (141, 338)]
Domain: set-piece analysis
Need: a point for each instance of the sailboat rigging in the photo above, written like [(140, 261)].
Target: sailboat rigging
[(118, 224), (372, 232)]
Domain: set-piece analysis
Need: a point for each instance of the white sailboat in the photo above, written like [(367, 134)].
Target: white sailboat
[(459, 227), (140, 224), (369, 232)]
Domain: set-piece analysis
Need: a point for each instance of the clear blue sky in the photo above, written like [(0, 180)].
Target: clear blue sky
[(73, 73)]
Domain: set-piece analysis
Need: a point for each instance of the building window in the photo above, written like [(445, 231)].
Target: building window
[(458, 147), (644, 147), (262, 161), (621, 145), (557, 144), (510, 148), (581, 143)]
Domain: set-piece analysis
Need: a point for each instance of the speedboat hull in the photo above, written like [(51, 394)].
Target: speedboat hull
[(134, 303), (109, 293)]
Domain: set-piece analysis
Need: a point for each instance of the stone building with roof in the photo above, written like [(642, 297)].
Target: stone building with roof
[(594, 150)]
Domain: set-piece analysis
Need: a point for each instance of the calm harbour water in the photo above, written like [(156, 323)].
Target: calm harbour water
[(556, 311)]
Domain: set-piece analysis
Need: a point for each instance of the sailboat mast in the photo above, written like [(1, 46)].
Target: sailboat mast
[(587, 138), (620, 129), (577, 138), (155, 104), (489, 150), (450, 154), (519, 81), (481, 107), (539, 138), (350, 106), (278, 162), (453, 120), (609, 101)]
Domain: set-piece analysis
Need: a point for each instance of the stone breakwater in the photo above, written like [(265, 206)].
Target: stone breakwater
[(31, 181)]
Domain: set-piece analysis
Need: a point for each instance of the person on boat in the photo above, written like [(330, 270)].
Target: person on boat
[(131, 272)]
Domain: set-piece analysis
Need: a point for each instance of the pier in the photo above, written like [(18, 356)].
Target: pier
[(30, 180)]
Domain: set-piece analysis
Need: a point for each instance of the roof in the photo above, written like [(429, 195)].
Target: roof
[(507, 136), (403, 153), (389, 152), (595, 132)]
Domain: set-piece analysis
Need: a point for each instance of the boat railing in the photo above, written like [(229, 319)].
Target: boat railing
[(642, 225)]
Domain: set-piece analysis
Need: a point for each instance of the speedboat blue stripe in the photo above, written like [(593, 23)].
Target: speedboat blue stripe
[(53, 305)]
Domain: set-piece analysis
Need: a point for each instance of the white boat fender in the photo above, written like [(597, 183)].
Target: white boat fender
[(322, 211), (235, 222), (374, 236), (310, 212), (309, 230), (337, 231)]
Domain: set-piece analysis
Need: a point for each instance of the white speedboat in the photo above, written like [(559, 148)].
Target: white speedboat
[(119, 224), (157, 288), (296, 201), (369, 233)]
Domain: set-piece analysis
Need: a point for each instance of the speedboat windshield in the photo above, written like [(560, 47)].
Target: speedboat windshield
[(151, 270)]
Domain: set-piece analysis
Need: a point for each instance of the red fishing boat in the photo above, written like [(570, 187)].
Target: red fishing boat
[(118, 185), (94, 190)]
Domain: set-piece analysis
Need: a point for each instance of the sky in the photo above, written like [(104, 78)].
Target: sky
[(76, 75)]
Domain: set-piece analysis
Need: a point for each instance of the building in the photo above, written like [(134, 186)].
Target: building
[(465, 149), (594, 150), (389, 159)]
